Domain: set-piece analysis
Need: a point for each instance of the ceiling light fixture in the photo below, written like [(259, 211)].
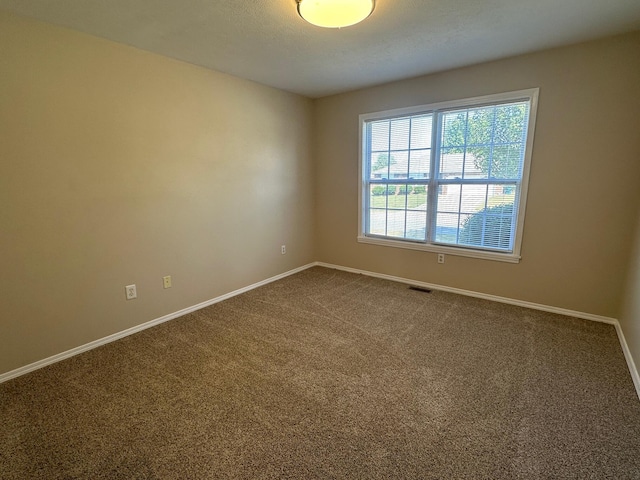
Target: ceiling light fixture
[(335, 13)]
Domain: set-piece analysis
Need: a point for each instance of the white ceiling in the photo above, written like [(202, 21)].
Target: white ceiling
[(266, 41)]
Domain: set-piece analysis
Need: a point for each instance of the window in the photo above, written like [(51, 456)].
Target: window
[(450, 177)]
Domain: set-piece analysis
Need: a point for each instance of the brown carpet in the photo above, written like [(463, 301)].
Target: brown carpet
[(327, 374)]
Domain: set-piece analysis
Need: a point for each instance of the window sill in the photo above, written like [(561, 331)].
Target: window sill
[(460, 252)]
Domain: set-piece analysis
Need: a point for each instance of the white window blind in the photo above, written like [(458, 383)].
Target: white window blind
[(449, 175), (399, 173)]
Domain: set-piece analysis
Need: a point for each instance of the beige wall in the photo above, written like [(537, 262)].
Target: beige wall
[(583, 191), (118, 166)]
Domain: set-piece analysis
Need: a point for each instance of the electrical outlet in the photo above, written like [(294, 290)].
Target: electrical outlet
[(283, 249), (130, 291), (441, 258), (166, 281)]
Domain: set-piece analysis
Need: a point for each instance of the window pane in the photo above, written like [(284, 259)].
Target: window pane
[(380, 165), (447, 227), (473, 198), (380, 136), (479, 126), (449, 198), (511, 123), (399, 164), (396, 223), (451, 163), (506, 161), (377, 221), (487, 142), (417, 197), (398, 211), (419, 163), (400, 149), (421, 131), (462, 163), (400, 133), (454, 130), (476, 215), (416, 225), (487, 230), (378, 196), (475, 162)]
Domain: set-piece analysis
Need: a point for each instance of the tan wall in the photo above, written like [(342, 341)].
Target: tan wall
[(584, 176), (630, 318), (118, 166)]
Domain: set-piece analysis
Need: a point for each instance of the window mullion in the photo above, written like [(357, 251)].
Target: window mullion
[(386, 190), (493, 145), (464, 168), (366, 177), (479, 181), (432, 197)]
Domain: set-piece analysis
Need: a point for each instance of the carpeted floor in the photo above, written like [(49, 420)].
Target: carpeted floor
[(327, 374)]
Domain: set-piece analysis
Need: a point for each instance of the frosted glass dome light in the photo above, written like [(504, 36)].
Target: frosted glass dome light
[(335, 13)]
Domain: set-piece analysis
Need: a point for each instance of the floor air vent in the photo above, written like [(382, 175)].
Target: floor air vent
[(419, 289)]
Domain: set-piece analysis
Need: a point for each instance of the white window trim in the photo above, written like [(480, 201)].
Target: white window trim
[(530, 95)]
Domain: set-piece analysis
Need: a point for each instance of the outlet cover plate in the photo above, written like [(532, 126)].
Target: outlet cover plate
[(130, 291)]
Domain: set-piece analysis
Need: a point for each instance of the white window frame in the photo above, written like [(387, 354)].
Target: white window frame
[(530, 95)]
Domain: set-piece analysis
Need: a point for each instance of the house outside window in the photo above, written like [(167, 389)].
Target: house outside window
[(449, 177)]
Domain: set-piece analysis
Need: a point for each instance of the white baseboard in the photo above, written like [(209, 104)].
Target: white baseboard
[(521, 303), (130, 331), (627, 355)]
